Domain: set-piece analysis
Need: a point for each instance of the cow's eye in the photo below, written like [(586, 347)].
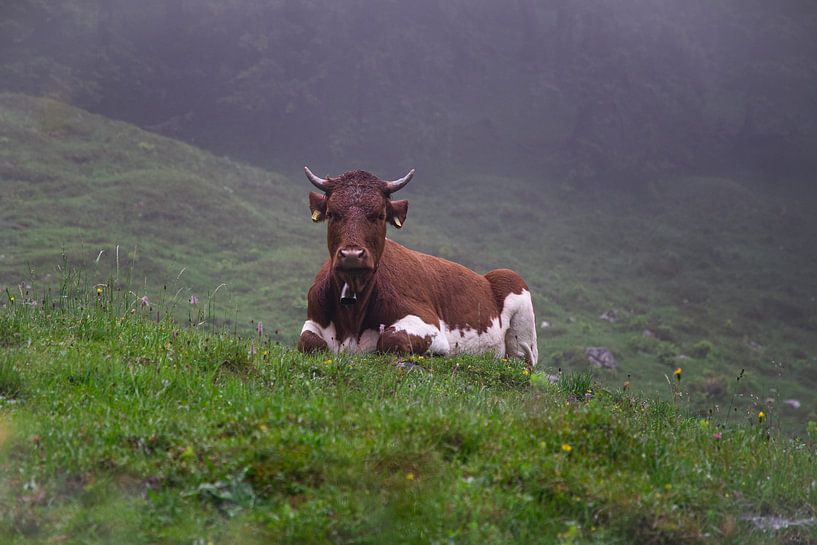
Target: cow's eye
[(376, 217)]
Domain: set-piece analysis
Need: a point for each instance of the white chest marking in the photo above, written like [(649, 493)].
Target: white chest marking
[(365, 344)]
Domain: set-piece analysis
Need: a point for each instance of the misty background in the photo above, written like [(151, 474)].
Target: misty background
[(608, 93)]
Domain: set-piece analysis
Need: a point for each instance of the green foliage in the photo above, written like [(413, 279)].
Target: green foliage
[(56, 118), (667, 354), (10, 382), (811, 429), (573, 357), (11, 331), (702, 349), (576, 385)]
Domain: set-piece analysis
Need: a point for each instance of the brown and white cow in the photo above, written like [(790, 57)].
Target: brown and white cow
[(373, 294)]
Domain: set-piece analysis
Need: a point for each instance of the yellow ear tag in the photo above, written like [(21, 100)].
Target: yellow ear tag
[(315, 215), (397, 223)]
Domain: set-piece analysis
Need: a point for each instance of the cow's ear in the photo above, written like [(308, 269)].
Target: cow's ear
[(317, 204), (397, 213)]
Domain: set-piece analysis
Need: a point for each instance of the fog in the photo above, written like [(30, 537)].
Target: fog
[(600, 93)]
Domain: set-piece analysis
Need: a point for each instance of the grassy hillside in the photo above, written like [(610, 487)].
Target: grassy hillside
[(713, 275), (76, 182), (116, 429)]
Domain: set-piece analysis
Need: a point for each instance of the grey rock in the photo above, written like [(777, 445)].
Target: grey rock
[(408, 365), (793, 403), (610, 316), (647, 333), (771, 522), (544, 325), (601, 356)]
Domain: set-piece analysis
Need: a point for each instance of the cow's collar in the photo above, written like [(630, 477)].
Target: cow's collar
[(352, 289), (350, 317), (347, 295)]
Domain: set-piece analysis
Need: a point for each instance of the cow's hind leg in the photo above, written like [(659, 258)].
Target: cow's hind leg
[(402, 342), (414, 335), (516, 308), (520, 339)]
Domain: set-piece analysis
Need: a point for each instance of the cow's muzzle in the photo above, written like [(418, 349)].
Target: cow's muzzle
[(352, 260)]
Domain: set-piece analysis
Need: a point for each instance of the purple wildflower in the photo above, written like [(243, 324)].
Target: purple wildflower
[(194, 300), (260, 328), (144, 301), (717, 436)]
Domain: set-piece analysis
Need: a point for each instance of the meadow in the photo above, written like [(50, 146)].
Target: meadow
[(118, 428)]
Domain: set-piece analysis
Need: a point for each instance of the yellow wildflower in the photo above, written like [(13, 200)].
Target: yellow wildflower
[(409, 476), (328, 361), (678, 373), (761, 416), (567, 448), (525, 372), (99, 291)]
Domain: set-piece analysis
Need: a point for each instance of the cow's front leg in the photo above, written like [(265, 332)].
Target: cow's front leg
[(314, 337), (402, 342), (311, 342)]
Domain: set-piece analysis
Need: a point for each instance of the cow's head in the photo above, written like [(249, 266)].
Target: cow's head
[(357, 206)]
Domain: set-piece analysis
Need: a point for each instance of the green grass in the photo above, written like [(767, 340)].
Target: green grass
[(720, 271), (115, 428)]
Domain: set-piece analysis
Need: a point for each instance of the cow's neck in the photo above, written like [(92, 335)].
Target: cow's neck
[(357, 296)]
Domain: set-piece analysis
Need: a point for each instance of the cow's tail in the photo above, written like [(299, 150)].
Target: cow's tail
[(530, 359)]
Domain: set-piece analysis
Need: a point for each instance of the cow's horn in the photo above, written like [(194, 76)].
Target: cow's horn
[(391, 187), (320, 183)]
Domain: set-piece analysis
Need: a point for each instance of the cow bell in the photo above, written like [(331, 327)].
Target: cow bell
[(347, 296)]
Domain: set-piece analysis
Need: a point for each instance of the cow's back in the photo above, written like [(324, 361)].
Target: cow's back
[(460, 297)]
